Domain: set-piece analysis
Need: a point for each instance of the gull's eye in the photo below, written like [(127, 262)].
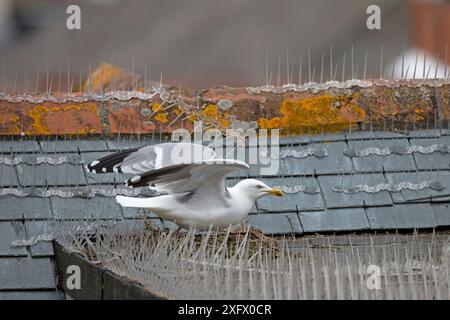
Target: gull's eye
[(259, 186)]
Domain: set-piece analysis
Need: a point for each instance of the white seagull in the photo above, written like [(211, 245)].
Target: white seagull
[(192, 177)]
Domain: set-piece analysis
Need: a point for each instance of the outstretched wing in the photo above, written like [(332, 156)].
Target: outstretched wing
[(207, 175), (149, 158)]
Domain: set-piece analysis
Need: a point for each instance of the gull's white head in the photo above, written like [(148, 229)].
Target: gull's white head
[(256, 189)]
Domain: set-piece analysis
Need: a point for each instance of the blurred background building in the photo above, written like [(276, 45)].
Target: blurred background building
[(201, 43)]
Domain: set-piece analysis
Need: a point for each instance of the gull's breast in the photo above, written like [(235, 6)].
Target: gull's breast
[(209, 211)]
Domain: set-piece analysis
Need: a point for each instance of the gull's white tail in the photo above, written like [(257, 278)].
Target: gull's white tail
[(134, 202)]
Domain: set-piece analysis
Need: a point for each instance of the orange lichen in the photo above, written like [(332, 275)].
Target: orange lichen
[(315, 115), (224, 122), (419, 114), (192, 117), (273, 123), (177, 111), (161, 117), (41, 114), (89, 106), (155, 107), (211, 112), (36, 114)]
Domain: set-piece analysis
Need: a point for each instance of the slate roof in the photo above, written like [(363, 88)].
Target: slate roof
[(327, 198)]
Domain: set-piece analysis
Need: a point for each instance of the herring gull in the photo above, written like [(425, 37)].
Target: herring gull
[(193, 181)]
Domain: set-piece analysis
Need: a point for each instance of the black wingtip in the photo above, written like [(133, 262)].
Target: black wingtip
[(110, 163)]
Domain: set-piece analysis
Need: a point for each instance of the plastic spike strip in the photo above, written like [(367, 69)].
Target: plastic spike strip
[(397, 150), (347, 84), (308, 189), (31, 160), (74, 193), (299, 154), (397, 187)]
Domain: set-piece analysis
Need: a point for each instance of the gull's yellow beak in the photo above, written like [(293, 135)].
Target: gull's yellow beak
[(276, 192)]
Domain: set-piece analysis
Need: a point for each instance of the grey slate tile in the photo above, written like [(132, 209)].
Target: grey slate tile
[(295, 140), (8, 176), (106, 208), (60, 146), (16, 208), (11, 208), (424, 133), (26, 273), (8, 146), (10, 231), (310, 139), (292, 201), (441, 214), (276, 223), (335, 199), (127, 143), (52, 175), (36, 208), (92, 145), (416, 178), (333, 163), (32, 295), (260, 165), (131, 223), (111, 191), (71, 208), (103, 178), (6, 212), (88, 157), (405, 216), (36, 228), (80, 208), (367, 135), (329, 137), (132, 213), (435, 160), (376, 163), (334, 220)]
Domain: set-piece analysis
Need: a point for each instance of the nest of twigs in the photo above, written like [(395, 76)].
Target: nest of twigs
[(233, 237)]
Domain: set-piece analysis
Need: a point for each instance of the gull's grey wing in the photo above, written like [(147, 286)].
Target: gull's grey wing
[(208, 175), (141, 160)]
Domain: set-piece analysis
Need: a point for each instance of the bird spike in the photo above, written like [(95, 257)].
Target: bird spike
[(352, 62), (381, 60), (300, 71), (309, 66), (287, 67), (279, 71)]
